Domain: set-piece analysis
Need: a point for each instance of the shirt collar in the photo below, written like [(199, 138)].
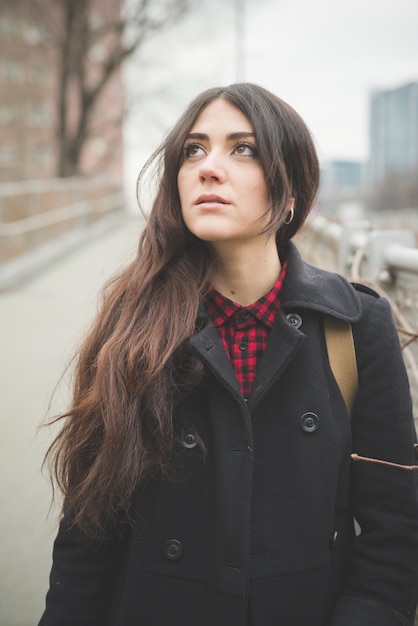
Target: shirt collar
[(221, 309)]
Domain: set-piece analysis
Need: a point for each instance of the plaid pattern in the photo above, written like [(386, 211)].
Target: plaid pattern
[(244, 330)]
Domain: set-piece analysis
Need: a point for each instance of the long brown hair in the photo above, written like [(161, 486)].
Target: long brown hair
[(134, 363)]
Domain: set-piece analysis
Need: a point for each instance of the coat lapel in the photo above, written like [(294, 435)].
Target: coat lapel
[(305, 288), (208, 345), (283, 342)]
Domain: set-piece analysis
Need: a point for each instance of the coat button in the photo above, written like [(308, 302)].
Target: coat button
[(334, 538), (294, 319), (243, 346), (189, 440), (172, 549), (309, 422)]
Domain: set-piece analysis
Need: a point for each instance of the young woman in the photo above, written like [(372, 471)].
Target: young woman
[(206, 457)]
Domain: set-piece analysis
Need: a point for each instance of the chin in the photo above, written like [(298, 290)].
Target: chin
[(211, 234)]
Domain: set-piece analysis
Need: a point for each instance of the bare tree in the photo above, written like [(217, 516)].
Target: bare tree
[(91, 39)]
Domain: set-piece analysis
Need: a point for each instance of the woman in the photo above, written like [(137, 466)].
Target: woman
[(205, 459)]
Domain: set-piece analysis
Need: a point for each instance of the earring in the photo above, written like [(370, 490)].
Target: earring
[(289, 216)]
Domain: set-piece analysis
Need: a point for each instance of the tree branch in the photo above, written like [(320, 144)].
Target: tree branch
[(82, 78)]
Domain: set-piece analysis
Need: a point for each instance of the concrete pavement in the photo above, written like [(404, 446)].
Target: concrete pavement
[(40, 326)]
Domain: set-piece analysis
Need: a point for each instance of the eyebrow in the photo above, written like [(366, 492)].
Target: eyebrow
[(230, 137)]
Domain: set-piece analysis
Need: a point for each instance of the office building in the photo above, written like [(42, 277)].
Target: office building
[(393, 132), (341, 183)]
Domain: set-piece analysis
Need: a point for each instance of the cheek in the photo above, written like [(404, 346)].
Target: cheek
[(183, 196), (253, 181), (257, 189), (183, 184), (263, 191), (180, 186)]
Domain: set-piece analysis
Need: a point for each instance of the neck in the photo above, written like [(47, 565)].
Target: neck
[(247, 273)]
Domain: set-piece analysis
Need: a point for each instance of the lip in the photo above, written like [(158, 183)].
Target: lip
[(210, 198)]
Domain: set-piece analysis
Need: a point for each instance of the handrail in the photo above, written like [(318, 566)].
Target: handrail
[(400, 257), (39, 186), (62, 214)]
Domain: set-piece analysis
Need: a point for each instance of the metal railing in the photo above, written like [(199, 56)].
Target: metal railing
[(29, 244), (386, 260)]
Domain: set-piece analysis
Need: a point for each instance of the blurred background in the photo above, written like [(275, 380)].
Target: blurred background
[(87, 90)]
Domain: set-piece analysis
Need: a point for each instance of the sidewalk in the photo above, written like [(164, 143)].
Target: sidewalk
[(40, 326)]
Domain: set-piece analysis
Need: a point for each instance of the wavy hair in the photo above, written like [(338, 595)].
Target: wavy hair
[(134, 364)]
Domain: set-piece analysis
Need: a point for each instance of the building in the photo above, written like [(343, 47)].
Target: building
[(341, 184), (29, 95), (393, 132)]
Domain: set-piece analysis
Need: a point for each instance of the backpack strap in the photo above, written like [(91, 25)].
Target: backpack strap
[(342, 358)]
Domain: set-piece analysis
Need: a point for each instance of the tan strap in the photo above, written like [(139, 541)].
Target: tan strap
[(342, 358)]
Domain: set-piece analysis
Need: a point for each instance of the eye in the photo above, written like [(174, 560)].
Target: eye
[(245, 149), (193, 150)]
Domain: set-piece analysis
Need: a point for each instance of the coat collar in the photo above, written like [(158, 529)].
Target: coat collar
[(311, 288), (308, 287), (305, 288)]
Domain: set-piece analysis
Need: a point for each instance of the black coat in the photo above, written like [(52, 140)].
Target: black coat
[(258, 530)]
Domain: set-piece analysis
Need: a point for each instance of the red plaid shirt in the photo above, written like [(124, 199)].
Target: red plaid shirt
[(244, 329)]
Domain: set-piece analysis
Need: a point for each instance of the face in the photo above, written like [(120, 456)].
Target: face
[(221, 183)]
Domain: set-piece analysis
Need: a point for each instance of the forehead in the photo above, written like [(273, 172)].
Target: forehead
[(221, 115)]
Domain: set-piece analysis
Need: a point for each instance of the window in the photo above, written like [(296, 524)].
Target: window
[(33, 34), (10, 113), (11, 72), (39, 115), (39, 75), (9, 28), (8, 155), (42, 155)]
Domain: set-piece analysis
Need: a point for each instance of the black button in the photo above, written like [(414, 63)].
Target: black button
[(172, 550), (309, 422), (245, 315), (243, 346), (334, 539), (189, 440), (294, 319)]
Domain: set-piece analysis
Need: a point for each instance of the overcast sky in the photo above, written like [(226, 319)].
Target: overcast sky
[(324, 57)]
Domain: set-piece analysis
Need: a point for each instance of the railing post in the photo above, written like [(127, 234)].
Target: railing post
[(350, 233)]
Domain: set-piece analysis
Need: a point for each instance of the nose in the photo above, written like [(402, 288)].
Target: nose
[(211, 169)]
